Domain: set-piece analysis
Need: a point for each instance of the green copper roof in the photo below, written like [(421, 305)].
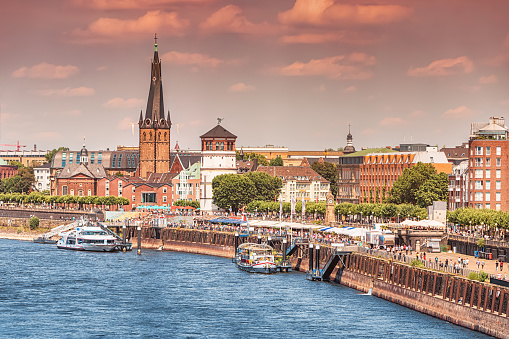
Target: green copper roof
[(369, 151)]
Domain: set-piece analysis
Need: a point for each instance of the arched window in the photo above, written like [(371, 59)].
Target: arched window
[(217, 146), (144, 136), (159, 136), (222, 146), (150, 136), (165, 136)]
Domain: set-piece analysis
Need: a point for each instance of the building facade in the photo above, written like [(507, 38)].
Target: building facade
[(489, 165), (154, 129), (299, 182), (42, 177), (458, 186), (27, 158), (186, 185), (143, 193), (218, 157)]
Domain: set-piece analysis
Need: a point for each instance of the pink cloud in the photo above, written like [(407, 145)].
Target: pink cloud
[(505, 102), (330, 13), (66, 92), (104, 29), (353, 66), (392, 121), (231, 19), (193, 59), (458, 112), (443, 67), (126, 124), (369, 131), (132, 4), (241, 87), (121, 103), (319, 38), (46, 71), (417, 114), (491, 79), (351, 89)]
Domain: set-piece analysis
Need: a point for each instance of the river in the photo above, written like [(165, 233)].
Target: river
[(47, 293)]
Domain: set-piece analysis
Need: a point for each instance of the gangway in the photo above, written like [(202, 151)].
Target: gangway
[(45, 238), (110, 232), (336, 256)]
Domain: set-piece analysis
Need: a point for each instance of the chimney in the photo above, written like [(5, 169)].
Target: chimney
[(35, 147)]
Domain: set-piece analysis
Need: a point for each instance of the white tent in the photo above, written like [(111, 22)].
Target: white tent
[(409, 222)]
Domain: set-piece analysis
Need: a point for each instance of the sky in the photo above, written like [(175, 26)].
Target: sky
[(293, 73)]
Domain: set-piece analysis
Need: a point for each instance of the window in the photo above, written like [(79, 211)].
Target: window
[(164, 198), (478, 173), (134, 190), (478, 185), (63, 160), (499, 174), (499, 162), (222, 146), (488, 206), (478, 206), (70, 158), (488, 150), (488, 173), (148, 197), (114, 160), (488, 162), (478, 196), (119, 160), (164, 189), (133, 198), (498, 185), (89, 193), (478, 150), (64, 190), (72, 192), (478, 162), (497, 207), (497, 196), (487, 196), (78, 157), (92, 158), (488, 184), (499, 150), (99, 158), (217, 146)]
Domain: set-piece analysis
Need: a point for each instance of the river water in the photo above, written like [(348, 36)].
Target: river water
[(46, 292)]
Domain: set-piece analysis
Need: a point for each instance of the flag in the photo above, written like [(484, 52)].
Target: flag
[(280, 205), (303, 207), (293, 202)]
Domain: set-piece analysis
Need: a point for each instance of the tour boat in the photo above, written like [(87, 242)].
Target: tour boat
[(256, 258), (87, 238)]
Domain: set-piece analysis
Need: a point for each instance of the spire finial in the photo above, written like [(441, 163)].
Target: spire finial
[(83, 141), (219, 120), (348, 128), (155, 41)]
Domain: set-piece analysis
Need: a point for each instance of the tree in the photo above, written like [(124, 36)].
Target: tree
[(34, 223), (118, 174), (262, 160), (232, 191), (267, 187), (49, 156), (419, 185), (277, 161), (16, 163), (21, 182), (329, 172)]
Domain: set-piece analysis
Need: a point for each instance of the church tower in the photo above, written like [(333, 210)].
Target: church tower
[(155, 129)]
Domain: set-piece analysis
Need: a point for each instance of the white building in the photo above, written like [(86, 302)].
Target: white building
[(42, 177), (218, 157)]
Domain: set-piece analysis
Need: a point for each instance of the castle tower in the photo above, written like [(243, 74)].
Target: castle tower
[(154, 129), (349, 143)]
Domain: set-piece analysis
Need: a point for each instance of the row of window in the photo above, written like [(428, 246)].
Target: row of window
[(486, 196), (479, 162), (78, 158), (479, 174), (481, 185), (219, 146), (487, 206), (479, 150)]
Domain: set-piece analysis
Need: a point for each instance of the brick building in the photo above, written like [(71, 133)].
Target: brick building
[(186, 185), (458, 186), (489, 165), (457, 154), (6, 170), (154, 136), (143, 193)]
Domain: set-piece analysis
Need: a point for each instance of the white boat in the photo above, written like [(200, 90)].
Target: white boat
[(87, 238), (256, 258)]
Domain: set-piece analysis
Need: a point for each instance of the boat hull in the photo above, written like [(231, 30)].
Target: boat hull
[(263, 269), (89, 247)]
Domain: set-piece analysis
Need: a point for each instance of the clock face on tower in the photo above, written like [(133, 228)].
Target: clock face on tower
[(330, 201)]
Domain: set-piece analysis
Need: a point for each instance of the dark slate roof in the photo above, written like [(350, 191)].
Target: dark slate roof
[(46, 165), (90, 170), (186, 159), (246, 166), (218, 132), (151, 184), (160, 178)]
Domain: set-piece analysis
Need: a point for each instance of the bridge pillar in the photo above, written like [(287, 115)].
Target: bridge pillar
[(284, 250), (139, 239), (310, 257), (317, 258), (236, 242), (259, 238)]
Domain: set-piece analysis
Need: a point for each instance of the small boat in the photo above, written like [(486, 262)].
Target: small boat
[(87, 238), (256, 258)]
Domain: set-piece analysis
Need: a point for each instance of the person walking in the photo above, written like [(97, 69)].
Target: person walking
[(501, 266), (478, 263), (496, 266), (482, 265)]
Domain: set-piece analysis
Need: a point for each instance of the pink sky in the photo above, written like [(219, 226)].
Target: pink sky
[(291, 73)]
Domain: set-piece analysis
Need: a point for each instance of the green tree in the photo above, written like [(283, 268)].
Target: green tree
[(49, 156), (21, 182), (262, 160), (419, 185), (183, 202), (277, 161), (232, 191), (16, 163), (118, 174), (267, 187), (329, 172), (34, 223)]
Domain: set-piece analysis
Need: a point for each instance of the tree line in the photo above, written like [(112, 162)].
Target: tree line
[(471, 216), (41, 199)]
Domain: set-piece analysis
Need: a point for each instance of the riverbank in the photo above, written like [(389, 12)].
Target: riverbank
[(19, 233)]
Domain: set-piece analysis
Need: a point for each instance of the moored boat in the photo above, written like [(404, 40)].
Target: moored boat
[(87, 238), (256, 258)]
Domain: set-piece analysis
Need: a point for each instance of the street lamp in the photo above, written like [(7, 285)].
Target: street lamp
[(398, 218), (256, 211), (361, 217), (349, 216), (470, 226)]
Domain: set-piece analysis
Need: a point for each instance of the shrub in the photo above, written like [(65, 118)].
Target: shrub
[(483, 276), (473, 276), (34, 223), (481, 242), (417, 263)]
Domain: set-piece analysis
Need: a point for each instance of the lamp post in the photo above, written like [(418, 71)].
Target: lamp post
[(398, 218), (496, 230), (350, 217), (372, 217), (470, 226), (482, 228), (361, 217), (256, 211)]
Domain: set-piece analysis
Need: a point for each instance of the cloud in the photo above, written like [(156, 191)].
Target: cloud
[(126, 124), (443, 67), (6, 116), (351, 89), (73, 113), (392, 121), (132, 4), (458, 112), (319, 38), (66, 92), (491, 79), (353, 66), (193, 59), (47, 136), (417, 114), (231, 19), (105, 29), (46, 71), (241, 87), (368, 131), (329, 13), (101, 68), (121, 103), (505, 102)]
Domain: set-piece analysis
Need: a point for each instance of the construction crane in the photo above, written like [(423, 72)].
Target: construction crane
[(18, 146)]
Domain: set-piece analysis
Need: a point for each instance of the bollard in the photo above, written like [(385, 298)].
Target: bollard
[(139, 240), (236, 242), (284, 250), (317, 258), (259, 238), (123, 234), (310, 257)]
